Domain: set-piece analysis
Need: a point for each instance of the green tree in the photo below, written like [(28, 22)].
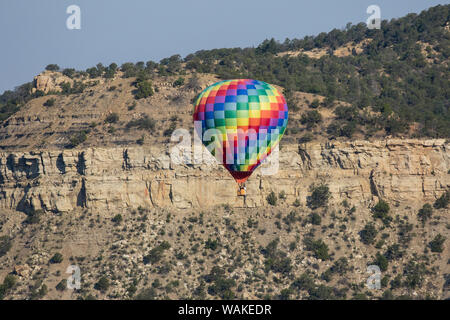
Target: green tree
[(179, 82), (318, 247), (157, 253), (52, 67), (368, 234), (311, 118), (57, 258), (381, 211), (62, 285), (414, 273), (319, 196), (425, 212), (442, 201), (69, 72), (144, 90), (436, 245), (381, 261), (314, 104), (8, 283), (102, 284), (315, 218), (272, 199), (212, 244)]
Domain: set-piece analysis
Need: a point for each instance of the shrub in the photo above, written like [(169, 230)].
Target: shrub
[(33, 217), (304, 282), (38, 290), (128, 69), (285, 294), (117, 218), (276, 260), (52, 67), (311, 118), (381, 211), (315, 218), (144, 90), (381, 261), (346, 113), (77, 139), (5, 245), (50, 102), (112, 118), (414, 273), (396, 282), (78, 87), (179, 82), (272, 199), (318, 247), (368, 234), (140, 141), (425, 212), (436, 245), (156, 254), (348, 130), (393, 252), (327, 275), (132, 106), (221, 286), (102, 284), (143, 123), (319, 196), (62, 285), (110, 71), (442, 201), (168, 132), (212, 244), (93, 72), (321, 292), (69, 72), (314, 104), (340, 266), (381, 208), (7, 284), (57, 258)]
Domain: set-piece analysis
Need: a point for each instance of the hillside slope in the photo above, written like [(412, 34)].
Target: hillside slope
[(86, 176)]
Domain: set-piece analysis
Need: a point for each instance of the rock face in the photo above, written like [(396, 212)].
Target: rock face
[(115, 179), (50, 81)]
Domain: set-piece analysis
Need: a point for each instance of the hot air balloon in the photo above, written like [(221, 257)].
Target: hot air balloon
[(249, 118)]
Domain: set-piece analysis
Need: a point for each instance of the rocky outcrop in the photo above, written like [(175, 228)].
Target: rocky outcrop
[(115, 179), (49, 81)]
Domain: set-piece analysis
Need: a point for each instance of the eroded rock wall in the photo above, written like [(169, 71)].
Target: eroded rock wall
[(114, 179)]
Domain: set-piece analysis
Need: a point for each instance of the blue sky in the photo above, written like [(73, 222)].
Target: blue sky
[(33, 33)]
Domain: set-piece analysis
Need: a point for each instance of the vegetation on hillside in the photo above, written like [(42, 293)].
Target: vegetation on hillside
[(397, 85)]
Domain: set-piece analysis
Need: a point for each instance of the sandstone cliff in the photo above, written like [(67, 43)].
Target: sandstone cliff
[(401, 171)]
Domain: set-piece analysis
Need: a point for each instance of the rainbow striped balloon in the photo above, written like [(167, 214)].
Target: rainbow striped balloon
[(249, 118)]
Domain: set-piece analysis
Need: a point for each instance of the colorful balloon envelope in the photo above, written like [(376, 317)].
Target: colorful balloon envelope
[(244, 120)]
